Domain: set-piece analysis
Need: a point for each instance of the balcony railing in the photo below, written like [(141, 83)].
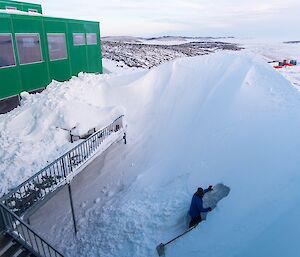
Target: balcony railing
[(18, 201)]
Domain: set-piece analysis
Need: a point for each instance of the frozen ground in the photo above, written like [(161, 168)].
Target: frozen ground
[(148, 53), (164, 40), (226, 117)]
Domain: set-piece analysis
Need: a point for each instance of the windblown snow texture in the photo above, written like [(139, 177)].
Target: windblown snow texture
[(226, 117)]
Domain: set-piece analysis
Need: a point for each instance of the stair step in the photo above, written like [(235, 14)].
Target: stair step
[(12, 249), (6, 243), (3, 239), (25, 253), (22, 252), (9, 247)]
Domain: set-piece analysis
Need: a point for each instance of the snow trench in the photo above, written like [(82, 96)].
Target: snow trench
[(210, 199)]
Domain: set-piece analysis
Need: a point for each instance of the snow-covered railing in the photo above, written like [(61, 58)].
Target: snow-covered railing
[(14, 204), (23, 233), (56, 174)]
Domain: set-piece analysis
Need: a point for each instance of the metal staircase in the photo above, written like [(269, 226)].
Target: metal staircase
[(10, 247)]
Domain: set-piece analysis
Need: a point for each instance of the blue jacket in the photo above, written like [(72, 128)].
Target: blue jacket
[(197, 205)]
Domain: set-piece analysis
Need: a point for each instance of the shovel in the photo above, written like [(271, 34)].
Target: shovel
[(161, 247)]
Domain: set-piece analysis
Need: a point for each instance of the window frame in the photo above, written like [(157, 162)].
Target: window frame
[(66, 58), (79, 33), (33, 10), (94, 33), (11, 8), (28, 34), (13, 48)]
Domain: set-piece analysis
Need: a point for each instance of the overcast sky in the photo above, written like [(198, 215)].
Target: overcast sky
[(241, 18)]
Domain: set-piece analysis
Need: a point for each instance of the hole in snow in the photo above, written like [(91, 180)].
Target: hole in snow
[(211, 199)]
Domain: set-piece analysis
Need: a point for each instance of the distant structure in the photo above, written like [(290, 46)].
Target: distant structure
[(284, 63), (35, 49)]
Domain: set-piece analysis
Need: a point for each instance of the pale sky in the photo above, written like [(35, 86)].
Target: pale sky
[(278, 19)]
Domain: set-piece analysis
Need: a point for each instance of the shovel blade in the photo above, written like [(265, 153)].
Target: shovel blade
[(160, 249)]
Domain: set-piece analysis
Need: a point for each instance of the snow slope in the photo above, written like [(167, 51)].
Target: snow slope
[(226, 117), (271, 50)]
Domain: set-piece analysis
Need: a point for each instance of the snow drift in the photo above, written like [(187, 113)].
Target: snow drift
[(223, 118), (38, 131), (226, 118)]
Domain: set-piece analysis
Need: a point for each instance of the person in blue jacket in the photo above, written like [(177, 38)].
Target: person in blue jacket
[(197, 206)]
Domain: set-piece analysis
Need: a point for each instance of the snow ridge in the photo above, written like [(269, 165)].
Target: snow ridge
[(224, 117)]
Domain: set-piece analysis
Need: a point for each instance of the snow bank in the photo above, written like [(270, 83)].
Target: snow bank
[(37, 132), (226, 117), (278, 51)]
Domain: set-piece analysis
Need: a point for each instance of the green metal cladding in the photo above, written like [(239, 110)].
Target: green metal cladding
[(85, 57), (24, 7)]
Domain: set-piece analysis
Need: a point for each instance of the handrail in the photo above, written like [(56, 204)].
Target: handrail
[(27, 194), (20, 230)]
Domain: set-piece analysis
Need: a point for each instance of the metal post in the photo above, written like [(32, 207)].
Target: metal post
[(2, 222), (70, 162), (125, 140), (72, 208), (63, 167)]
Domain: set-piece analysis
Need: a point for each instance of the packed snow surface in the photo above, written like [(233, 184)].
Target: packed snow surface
[(223, 118)]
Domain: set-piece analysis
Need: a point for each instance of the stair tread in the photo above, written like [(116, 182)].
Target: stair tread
[(20, 251), (6, 244), (12, 250), (9, 247), (4, 240), (25, 253)]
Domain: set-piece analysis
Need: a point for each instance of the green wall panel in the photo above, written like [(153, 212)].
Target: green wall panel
[(27, 6), (29, 77), (94, 59), (9, 76), (4, 4), (36, 75), (20, 5), (78, 54), (59, 70)]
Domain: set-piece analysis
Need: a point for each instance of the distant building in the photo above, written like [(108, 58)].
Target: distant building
[(35, 49)]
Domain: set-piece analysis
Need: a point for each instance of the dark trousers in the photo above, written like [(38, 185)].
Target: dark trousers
[(195, 221)]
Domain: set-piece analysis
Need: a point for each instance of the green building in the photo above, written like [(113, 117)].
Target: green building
[(35, 49)]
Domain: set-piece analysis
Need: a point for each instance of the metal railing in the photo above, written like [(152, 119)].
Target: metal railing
[(23, 233), (14, 204), (26, 195)]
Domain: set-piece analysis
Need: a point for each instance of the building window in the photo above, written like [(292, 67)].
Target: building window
[(57, 46), (7, 56), (91, 38), (29, 48), (78, 39), (32, 10), (10, 8)]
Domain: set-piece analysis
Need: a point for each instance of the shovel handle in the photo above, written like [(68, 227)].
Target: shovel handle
[(180, 235)]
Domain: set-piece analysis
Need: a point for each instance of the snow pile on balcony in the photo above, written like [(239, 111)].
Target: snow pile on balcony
[(38, 131)]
